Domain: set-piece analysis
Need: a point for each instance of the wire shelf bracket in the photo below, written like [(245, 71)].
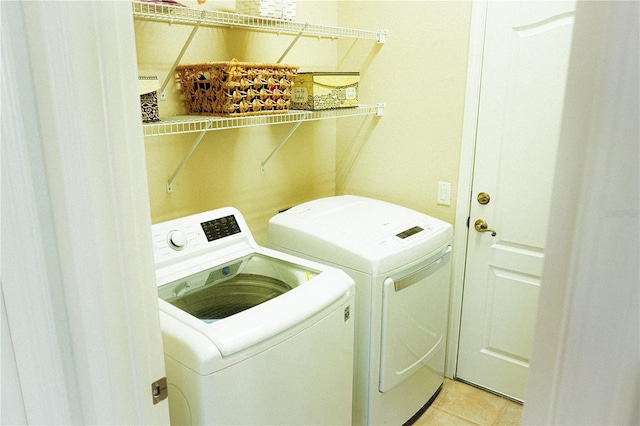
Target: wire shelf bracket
[(286, 138), (204, 124), (185, 158), (186, 44)]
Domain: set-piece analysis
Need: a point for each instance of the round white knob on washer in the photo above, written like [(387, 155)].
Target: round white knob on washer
[(177, 240)]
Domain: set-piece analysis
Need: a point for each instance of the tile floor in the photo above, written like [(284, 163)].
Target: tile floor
[(462, 404)]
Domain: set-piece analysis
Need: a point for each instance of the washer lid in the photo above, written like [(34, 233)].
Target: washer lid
[(287, 292), (369, 235), (225, 290)]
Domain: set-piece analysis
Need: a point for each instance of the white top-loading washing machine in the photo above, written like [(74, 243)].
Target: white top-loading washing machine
[(251, 336), (399, 259)]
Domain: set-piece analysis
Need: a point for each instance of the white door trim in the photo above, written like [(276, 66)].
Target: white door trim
[(584, 367), (30, 264), (81, 307), (467, 152)]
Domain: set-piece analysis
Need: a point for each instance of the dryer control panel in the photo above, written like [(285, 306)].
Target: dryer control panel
[(409, 232)]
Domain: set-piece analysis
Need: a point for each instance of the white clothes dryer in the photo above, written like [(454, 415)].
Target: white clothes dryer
[(251, 335), (399, 259)]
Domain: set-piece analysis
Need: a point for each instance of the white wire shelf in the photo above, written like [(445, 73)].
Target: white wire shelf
[(212, 18), (197, 123)]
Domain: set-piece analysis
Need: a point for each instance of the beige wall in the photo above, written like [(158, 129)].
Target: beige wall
[(419, 73)]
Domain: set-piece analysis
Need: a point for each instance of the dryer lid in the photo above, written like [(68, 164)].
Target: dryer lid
[(357, 232)]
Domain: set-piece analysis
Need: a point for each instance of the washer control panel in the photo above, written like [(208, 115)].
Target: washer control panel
[(220, 227), (216, 230)]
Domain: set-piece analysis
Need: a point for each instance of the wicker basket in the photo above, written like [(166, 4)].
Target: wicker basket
[(236, 88)]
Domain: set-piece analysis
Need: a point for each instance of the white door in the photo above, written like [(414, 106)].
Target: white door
[(524, 70)]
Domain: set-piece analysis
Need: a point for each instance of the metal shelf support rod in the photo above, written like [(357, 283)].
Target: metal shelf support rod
[(295, 40), (181, 54), (186, 157), (286, 138)]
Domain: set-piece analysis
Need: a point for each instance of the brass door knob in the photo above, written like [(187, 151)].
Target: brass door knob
[(482, 226), (484, 198)]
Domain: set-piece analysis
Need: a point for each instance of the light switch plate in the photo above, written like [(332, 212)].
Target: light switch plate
[(444, 193)]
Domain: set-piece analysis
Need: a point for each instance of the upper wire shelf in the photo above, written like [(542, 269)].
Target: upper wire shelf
[(212, 18)]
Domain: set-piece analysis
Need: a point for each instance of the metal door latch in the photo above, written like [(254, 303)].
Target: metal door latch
[(159, 390)]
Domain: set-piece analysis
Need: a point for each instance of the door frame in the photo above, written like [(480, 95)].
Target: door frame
[(465, 178)]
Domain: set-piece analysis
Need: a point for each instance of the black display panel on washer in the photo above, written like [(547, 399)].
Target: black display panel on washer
[(409, 232), (220, 228)]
